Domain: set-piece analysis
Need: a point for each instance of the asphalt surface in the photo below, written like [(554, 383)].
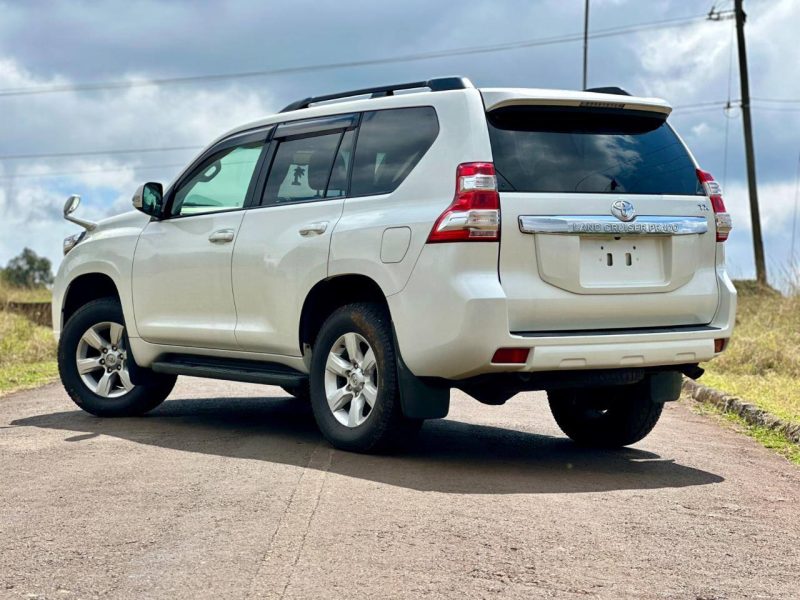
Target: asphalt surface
[(228, 491)]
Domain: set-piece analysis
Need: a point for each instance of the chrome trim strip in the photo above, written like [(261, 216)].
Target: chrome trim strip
[(608, 225)]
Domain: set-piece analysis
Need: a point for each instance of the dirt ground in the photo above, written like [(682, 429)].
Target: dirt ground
[(228, 491)]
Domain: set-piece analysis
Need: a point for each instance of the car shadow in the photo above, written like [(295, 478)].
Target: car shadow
[(448, 456)]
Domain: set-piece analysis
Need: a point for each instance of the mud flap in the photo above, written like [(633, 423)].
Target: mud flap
[(419, 399), (664, 386)]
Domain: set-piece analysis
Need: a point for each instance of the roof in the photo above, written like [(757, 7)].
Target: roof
[(493, 98)]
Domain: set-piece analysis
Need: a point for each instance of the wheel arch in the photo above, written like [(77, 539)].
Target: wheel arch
[(331, 293), (85, 288)]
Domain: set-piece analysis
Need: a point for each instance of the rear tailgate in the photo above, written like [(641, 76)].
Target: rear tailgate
[(604, 222)]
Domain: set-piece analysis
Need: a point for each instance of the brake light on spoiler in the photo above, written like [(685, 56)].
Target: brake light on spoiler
[(474, 214), (714, 192)]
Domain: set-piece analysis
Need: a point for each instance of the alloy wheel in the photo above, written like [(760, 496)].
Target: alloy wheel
[(102, 360), (351, 380)]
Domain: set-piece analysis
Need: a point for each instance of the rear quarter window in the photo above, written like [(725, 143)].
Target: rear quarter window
[(550, 149), (390, 144)]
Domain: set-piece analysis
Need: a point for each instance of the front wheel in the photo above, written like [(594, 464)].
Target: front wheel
[(354, 389), (94, 364), (608, 417)]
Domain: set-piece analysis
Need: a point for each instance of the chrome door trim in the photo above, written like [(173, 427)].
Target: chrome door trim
[(609, 225)]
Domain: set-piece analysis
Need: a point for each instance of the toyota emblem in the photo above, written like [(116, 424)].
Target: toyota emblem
[(623, 210)]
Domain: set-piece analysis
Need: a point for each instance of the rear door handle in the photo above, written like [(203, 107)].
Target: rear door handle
[(314, 229), (221, 236)]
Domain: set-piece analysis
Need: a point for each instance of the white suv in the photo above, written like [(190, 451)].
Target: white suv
[(370, 254)]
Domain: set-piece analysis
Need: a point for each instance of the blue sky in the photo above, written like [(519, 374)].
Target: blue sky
[(53, 43)]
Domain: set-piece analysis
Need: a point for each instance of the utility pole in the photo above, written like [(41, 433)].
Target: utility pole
[(585, 44), (758, 242)]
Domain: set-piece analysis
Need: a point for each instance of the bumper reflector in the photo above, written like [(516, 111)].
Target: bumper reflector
[(720, 344), (517, 356)]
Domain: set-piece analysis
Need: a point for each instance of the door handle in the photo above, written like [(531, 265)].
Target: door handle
[(221, 236), (314, 229)]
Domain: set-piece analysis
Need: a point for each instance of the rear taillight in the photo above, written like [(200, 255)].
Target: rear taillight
[(474, 215), (714, 192)]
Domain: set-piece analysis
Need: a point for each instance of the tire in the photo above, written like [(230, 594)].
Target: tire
[(301, 392), (609, 417), (104, 388), (348, 421)]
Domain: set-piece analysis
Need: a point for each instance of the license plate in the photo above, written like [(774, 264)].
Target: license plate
[(632, 261)]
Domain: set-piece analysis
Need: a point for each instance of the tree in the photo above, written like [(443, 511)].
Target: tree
[(28, 270)]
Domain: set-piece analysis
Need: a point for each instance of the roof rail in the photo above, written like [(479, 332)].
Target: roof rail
[(439, 84), (608, 90)]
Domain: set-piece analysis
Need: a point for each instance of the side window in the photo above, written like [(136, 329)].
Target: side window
[(220, 183), (390, 144), (301, 169)]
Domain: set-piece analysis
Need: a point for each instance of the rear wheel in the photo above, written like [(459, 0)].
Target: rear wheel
[(608, 417), (95, 365), (354, 390)]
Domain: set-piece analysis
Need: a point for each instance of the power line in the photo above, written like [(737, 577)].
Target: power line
[(96, 152), (31, 174), (778, 100), (530, 43), (682, 108), (686, 108), (778, 108)]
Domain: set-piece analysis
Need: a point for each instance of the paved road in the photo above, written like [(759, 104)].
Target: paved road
[(227, 491)]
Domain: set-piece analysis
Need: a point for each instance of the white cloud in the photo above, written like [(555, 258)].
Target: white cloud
[(143, 117)]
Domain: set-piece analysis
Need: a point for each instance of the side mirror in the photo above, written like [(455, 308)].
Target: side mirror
[(148, 198), (72, 204)]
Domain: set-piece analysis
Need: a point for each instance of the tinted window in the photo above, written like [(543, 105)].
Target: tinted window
[(547, 150), (301, 168), (220, 183), (390, 144)]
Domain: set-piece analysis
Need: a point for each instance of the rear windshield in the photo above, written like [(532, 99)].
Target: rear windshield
[(551, 149)]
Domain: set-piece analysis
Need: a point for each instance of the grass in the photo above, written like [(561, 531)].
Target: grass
[(27, 350), (762, 363), (768, 438), (15, 294)]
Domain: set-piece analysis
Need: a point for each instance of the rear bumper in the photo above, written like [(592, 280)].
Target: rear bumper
[(450, 321)]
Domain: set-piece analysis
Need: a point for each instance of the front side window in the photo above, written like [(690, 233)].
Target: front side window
[(390, 144), (301, 169), (220, 183)]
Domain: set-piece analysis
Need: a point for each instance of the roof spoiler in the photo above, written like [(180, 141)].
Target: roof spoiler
[(617, 91)]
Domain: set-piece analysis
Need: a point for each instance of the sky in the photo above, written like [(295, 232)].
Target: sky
[(47, 44)]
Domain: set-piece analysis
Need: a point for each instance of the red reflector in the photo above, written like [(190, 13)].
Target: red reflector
[(515, 356), (720, 344)]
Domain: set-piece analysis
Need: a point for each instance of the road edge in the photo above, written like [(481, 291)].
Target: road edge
[(750, 413)]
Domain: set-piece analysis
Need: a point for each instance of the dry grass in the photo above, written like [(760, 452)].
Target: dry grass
[(21, 341), (15, 294), (27, 350), (762, 363)]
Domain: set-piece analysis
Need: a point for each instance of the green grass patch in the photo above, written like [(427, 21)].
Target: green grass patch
[(775, 393), (27, 353), (766, 437), (26, 375)]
